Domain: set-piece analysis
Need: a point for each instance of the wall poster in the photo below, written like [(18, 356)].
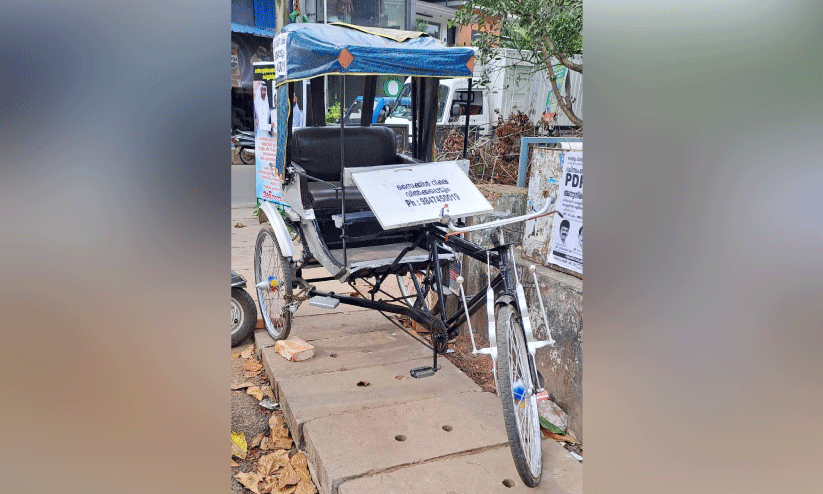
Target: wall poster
[(566, 247), (268, 175)]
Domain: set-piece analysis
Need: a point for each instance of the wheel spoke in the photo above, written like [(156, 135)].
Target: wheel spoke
[(523, 399), (271, 268)]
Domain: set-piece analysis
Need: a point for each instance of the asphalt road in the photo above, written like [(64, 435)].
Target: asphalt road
[(242, 186)]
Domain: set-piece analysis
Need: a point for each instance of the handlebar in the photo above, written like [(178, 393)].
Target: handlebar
[(455, 230)]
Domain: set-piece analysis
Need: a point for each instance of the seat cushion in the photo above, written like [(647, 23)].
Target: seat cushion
[(317, 149), (325, 199)]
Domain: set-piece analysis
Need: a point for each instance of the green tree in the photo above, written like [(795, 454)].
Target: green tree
[(548, 29)]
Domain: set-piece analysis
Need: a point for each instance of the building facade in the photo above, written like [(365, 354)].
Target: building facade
[(255, 22)]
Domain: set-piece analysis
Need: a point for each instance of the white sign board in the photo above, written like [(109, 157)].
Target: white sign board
[(417, 194), (279, 54), (566, 248)]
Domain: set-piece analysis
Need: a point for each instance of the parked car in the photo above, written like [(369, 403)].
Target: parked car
[(382, 108)]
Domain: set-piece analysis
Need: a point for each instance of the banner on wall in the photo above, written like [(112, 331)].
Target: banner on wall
[(268, 176), (566, 246), (560, 72), (245, 51)]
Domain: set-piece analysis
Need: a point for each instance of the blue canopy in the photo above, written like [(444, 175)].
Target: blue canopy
[(306, 50), (241, 28)]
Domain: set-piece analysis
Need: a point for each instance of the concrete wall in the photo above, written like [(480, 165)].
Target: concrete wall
[(562, 365)]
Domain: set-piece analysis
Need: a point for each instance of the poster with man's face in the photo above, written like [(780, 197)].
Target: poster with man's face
[(268, 177), (566, 246)]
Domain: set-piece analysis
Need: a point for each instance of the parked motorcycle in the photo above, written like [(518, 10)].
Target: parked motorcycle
[(244, 140), (243, 310)]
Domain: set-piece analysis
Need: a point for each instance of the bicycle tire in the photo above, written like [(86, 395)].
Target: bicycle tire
[(519, 406), (244, 315), (271, 265)]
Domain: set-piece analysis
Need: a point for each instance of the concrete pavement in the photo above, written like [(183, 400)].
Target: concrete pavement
[(243, 191), (368, 427)]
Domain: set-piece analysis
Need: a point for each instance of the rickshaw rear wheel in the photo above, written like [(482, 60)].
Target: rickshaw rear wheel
[(270, 265), (409, 293), (517, 392)]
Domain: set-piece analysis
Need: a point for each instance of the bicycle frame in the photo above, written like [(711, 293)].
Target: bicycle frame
[(445, 326)]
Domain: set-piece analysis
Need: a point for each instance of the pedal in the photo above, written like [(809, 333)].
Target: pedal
[(324, 302), (421, 372)]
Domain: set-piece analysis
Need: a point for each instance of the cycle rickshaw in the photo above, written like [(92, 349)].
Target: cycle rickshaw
[(365, 212)]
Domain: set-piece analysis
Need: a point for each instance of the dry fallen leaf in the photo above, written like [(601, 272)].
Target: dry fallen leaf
[(305, 487), (268, 443), (301, 464), (267, 391), (299, 460), (281, 443), (255, 442), (272, 462), (250, 374), (239, 225), (269, 484), (252, 365), (239, 447), (248, 352), (249, 480), (558, 437), (288, 476), (256, 392), (234, 464), (276, 423), (287, 489), (235, 355), (265, 443), (244, 385)]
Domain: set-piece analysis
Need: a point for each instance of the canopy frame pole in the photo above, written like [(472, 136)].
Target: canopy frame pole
[(342, 170), (369, 89), (415, 84), (467, 106)]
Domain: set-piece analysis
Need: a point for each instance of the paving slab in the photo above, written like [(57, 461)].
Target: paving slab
[(355, 444), (390, 286), (327, 326), (334, 325), (479, 473), (346, 352), (304, 398)]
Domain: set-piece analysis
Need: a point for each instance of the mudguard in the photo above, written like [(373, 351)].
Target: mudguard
[(269, 212), (237, 280)]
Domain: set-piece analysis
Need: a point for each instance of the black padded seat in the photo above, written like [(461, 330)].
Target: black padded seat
[(317, 151), (325, 198)]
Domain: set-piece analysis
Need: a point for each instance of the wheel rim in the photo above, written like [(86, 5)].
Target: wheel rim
[(237, 316), (409, 292), (272, 301), (523, 396)]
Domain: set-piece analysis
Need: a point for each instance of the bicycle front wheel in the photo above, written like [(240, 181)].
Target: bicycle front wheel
[(273, 268), (517, 392)]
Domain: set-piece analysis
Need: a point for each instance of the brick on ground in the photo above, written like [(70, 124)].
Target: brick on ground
[(294, 349)]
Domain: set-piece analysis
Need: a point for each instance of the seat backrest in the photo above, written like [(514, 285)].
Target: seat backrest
[(317, 149)]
